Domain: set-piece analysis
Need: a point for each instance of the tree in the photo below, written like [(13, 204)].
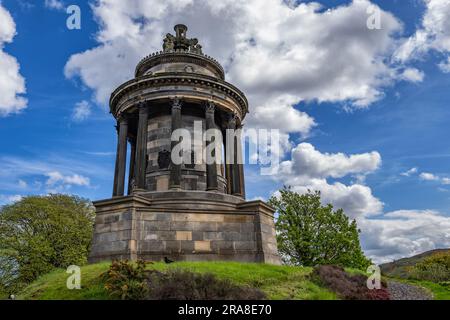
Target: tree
[(309, 234), (40, 233)]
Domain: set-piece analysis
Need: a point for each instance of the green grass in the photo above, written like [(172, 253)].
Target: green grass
[(278, 282)]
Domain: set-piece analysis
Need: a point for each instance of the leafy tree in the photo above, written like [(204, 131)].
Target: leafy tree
[(40, 233), (310, 234)]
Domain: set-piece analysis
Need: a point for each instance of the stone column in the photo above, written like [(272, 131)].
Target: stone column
[(241, 166), (234, 166), (121, 157), (228, 177), (141, 147), (211, 169), (175, 169), (131, 173), (116, 169)]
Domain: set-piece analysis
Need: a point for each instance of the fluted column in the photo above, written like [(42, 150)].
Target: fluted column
[(141, 147), (233, 166), (211, 169), (241, 166), (131, 173), (121, 158), (226, 165), (175, 169)]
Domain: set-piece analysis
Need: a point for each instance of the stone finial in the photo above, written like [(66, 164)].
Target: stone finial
[(180, 43)]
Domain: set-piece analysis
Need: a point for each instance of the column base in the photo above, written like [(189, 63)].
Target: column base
[(138, 190)]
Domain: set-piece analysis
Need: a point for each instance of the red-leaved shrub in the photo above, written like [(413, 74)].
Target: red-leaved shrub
[(347, 286)]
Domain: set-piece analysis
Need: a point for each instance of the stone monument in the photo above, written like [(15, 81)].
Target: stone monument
[(190, 211)]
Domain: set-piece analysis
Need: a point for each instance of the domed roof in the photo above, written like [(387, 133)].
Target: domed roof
[(180, 54)]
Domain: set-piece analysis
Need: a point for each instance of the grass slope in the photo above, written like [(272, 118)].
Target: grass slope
[(399, 268), (278, 282)]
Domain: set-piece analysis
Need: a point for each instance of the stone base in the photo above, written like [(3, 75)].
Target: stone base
[(184, 225)]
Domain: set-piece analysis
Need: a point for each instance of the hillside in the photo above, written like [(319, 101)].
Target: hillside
[(278, 282), (398, 268)]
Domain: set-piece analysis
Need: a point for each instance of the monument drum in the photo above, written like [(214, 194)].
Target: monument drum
[(190, 211)]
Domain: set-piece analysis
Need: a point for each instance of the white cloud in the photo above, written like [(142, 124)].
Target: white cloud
[(445, 65), (307, 161), (279, 55), (8, 199), (81, 111), (428, 176), (413, 75), (404, 233), (12, 84), (434, 34), (309, 169), (49, 172), (410, 172), (55, 178), (54, 4)]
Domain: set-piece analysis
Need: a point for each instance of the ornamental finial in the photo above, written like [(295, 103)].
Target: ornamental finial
[(180, 42)]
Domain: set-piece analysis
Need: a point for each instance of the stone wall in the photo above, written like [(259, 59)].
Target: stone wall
[(132, 227), (158, 149)]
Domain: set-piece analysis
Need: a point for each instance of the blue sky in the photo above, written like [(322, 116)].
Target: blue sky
[(45, 148)]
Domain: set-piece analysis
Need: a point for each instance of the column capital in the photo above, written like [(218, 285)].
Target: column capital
[(143, 108), (232, 120), (210, 107), (176, 103), (123, 119)]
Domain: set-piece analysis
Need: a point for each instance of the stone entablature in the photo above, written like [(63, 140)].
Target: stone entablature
[(192, 87)]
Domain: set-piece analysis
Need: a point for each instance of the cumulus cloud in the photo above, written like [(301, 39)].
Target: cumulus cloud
[(404, 233), (309, 162), (12, 84), (434, 34), (309, 169), (81, 111), (279, 54)]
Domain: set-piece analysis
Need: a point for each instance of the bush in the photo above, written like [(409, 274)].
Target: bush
[(346, 286), (130, 281), (126, 280), (435, 268), (185, 285)]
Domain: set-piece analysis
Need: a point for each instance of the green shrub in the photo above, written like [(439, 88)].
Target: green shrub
[(126, 280), (435, 268)]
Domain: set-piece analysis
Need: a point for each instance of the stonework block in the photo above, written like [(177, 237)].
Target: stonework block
[(183, 235), (200, 246)]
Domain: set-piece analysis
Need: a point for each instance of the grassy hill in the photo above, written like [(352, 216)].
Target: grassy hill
[(278, 282), (399, 268)]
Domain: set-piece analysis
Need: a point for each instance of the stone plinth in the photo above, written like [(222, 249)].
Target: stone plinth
[(184, 225)]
